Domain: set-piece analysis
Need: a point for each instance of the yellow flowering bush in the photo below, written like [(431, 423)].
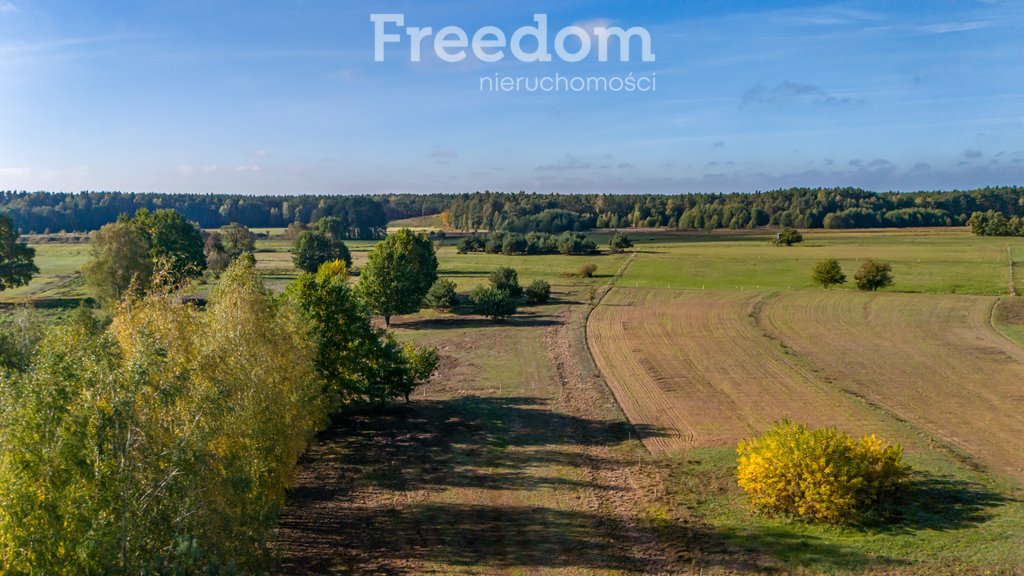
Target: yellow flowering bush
[(819, 475)]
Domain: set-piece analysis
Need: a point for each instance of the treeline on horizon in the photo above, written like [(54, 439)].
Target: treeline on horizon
[(792, 207), (367, 216)]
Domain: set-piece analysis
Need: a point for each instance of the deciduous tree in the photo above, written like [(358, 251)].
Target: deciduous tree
[(398, 273)]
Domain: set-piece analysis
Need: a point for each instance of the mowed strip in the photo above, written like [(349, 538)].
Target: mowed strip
[(933, 360), (691, 368)]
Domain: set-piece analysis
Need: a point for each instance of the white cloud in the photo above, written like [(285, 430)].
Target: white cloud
[(948, 27), (7, 8)]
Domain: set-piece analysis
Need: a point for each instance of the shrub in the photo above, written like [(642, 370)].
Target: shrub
[(587, 270), (493, 303), (619, 242), (788, 237), (538, 292), (442, 295), (507, 280), (828, 273), (873, 276), (819, 475)]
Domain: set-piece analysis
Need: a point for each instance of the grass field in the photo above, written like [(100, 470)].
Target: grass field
[(923, 260)]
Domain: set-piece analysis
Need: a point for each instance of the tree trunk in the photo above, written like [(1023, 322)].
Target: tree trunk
[(387, 320)]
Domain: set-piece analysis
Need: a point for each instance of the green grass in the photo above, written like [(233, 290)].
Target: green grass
[(944, 261), (58, 277), (952, 517), (430, 222), (471, 270)]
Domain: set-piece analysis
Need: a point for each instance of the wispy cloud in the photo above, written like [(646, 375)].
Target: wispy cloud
[(948, 27), (7, 7), (442, 153), (793, 92), (570, 162)]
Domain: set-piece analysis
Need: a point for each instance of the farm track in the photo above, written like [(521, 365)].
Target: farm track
[(533, 475), (696, 368), (933, 360)]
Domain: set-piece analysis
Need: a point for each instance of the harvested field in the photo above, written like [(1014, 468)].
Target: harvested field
[(933, 360), (695, 365)]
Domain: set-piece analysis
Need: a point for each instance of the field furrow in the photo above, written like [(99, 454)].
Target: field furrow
[(933, 360), (693, 369)]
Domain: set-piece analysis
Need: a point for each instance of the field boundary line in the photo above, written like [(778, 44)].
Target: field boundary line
[(1013, 285), (587, 356)]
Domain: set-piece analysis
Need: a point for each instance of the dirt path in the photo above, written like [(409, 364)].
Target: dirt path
[(514, 460)]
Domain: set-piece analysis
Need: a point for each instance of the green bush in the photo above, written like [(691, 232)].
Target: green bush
[(538, 292), (493, 303), (828, 273), (507, 280), (873, 276), (442, 295), (788, 237), (587, 270), (819, 475)]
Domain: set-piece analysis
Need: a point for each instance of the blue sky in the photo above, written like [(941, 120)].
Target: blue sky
[(285, 97)]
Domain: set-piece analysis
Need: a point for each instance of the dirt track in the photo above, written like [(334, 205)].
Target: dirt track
[(534, 474)]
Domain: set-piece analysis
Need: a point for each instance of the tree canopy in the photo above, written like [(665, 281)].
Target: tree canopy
[(398, 273), (17, 260), (828, 273), (873, 275)]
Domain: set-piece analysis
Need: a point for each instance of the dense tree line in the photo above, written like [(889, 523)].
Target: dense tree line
[(794, 207), (534, 243), (41, 212), (992, 223), (366, 217)]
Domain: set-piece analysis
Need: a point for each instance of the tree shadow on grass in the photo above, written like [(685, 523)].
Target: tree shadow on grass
[(796, 548), (461, 322), (932, 502), (360, 504)]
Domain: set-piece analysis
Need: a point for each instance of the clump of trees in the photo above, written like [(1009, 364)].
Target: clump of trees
[(17, 260), (325, 243), (828, 273), (224, 246), (493, 303), (619, 243), (534, 243), (788, 237), (126, 255), (992, 223), (820, 475), (398, 274), (873, 275), (163, 441), (354, 360)]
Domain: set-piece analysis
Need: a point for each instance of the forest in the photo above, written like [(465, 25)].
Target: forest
[(367, 216), (796, 207)]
